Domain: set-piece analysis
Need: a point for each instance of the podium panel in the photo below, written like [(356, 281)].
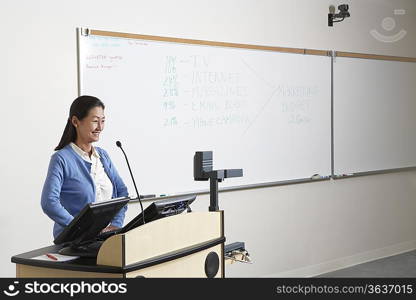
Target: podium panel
[(26, 271), (193, 264), (160, 237)]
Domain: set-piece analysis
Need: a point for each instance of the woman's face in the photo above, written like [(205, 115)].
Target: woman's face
[(89, 128)]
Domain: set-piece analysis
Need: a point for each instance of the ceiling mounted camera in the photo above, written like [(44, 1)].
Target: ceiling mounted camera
[(338, 17)]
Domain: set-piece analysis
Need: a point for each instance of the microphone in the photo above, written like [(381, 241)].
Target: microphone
[(118, 143)]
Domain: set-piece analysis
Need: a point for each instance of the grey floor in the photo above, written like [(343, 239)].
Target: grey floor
[(401, 265)]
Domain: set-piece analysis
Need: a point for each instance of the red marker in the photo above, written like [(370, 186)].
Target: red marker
[(51, 256)]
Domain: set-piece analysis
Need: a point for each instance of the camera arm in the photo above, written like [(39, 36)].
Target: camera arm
[(203, 170)]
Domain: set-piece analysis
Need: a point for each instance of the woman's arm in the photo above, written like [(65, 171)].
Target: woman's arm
[(50, 199), (120, 190)]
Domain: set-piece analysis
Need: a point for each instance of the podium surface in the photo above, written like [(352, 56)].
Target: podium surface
[(184, 245)]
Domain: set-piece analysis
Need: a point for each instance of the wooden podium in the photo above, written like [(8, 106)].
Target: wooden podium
[(184, 245)]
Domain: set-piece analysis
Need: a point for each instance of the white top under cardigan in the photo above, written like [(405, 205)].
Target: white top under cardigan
[(103, 185)]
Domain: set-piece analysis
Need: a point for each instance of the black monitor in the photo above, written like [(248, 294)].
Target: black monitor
[(93, 218), (160, 209)]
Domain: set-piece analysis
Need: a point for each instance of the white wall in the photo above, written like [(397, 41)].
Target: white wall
[(295, 230)]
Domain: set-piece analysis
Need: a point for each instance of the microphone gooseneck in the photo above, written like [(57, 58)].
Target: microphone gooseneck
[(118, 143)]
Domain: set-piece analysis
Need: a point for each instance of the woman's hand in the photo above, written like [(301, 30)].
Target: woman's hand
[(110, 228)]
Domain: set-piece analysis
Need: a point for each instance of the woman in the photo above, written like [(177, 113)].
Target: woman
[(80, 173)]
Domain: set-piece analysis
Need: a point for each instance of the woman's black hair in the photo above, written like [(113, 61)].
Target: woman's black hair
[(79, 108)]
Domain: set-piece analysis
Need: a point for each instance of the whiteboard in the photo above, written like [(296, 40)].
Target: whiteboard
[(263, 111), (374, 115)]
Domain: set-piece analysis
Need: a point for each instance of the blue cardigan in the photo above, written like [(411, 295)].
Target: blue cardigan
[(69, 187)]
